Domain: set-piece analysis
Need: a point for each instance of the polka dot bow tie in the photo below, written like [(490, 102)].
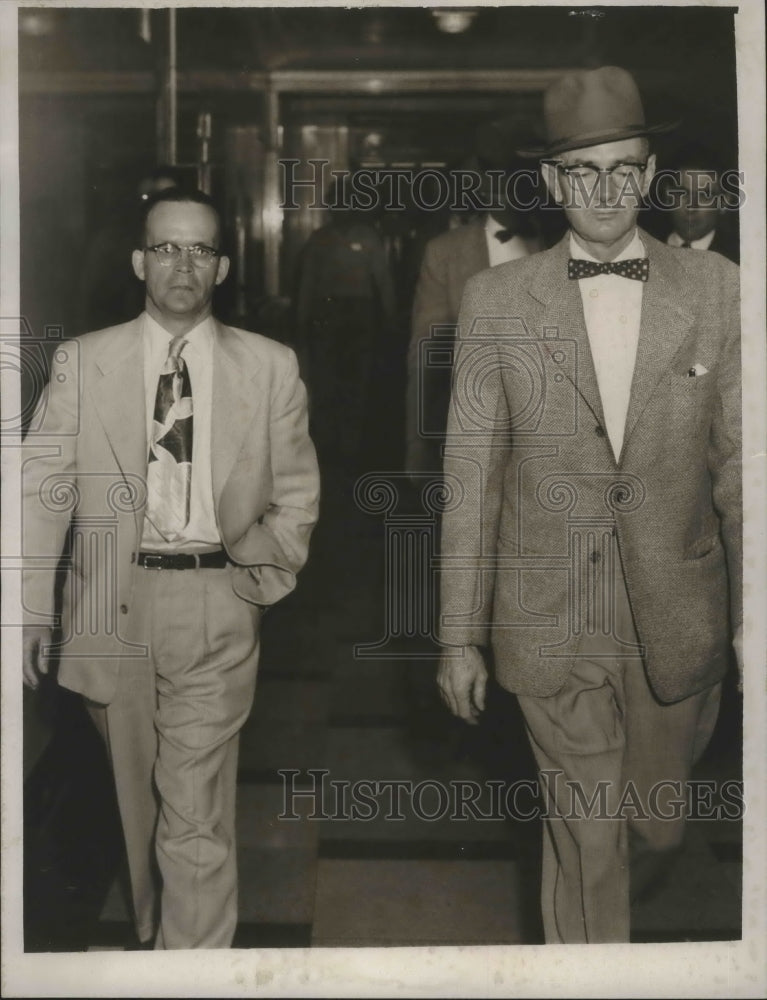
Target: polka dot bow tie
[(637, 268)]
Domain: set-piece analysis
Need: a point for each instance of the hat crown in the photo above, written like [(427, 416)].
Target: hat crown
[(592, 105)]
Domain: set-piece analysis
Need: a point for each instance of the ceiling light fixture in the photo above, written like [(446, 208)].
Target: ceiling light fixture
[(453, 20)]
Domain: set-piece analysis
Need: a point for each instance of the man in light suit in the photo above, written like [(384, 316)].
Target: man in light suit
[(181, 447), (594, 551)]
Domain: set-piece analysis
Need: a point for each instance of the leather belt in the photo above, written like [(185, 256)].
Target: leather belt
[(183, 560)]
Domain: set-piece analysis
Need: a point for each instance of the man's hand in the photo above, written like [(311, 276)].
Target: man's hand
[(36, 638), (737, 645), (462, 683)]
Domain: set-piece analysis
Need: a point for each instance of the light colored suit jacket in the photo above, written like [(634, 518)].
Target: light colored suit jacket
[(450, 259), (538, 495), (85, 462)]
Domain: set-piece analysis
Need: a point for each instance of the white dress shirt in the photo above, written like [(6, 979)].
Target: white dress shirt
[(612, 309), (675, 240), (201, 532), (500, 253)]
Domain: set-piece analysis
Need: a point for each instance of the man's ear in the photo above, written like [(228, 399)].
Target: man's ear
[(137, 259), (551, 177), (223, 269)]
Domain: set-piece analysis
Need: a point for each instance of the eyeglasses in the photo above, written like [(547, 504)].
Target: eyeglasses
[(589, 173), (168, 253)]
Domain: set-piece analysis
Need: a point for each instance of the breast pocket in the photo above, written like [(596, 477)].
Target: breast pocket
[(690, 383), (690, 398)]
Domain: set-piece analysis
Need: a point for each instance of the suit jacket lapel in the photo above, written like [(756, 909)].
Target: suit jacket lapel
[(665, 323), (119, 399), (236, 398), (563, 318)]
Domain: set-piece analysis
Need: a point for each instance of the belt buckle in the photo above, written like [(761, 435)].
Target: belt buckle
[(153, 560)]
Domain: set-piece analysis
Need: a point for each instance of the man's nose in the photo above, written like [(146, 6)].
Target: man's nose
[(184, 260), (606, 188)]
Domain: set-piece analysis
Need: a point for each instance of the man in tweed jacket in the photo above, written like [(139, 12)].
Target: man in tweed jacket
[(592, 547)]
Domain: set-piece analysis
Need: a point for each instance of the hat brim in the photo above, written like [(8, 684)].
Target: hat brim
[(595, 139)]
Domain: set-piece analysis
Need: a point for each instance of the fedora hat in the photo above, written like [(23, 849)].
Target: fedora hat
[(591, 106)]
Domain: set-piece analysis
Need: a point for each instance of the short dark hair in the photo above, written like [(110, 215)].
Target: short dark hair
[(696, 156), (166, 172), (179, 195)]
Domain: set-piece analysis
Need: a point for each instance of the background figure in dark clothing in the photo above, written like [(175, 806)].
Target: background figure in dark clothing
[(697, 215), (345, 309), (110, 293)]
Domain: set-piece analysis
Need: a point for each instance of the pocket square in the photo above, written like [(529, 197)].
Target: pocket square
[(697, 369)]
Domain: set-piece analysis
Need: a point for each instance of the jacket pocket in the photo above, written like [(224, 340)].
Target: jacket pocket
[(703, 547)]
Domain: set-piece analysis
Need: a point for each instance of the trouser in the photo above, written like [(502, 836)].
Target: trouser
[(612, 760), (172, 732)]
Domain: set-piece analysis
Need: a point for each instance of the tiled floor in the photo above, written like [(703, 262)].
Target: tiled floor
[(375, 880)]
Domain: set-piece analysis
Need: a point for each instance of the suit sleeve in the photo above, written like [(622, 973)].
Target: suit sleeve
[(49, 483), (725, 451), (281, 538), (431, 307), (476, 453)]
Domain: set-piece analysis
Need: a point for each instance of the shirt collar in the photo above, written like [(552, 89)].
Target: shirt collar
[(199, 338), (634, 249), (703, 243), (492, 226)]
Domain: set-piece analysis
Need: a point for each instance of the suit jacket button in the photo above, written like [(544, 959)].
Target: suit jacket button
[(599, 431), (123, 609)]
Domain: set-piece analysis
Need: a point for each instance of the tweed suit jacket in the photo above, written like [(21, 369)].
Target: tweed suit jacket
[(538, 499), (85, 462)]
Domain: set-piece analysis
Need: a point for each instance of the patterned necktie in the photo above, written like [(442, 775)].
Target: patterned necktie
[(504, 235), (169, 469), (637, 268)]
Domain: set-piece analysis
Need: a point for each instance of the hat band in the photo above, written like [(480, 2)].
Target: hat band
[(588, 138)]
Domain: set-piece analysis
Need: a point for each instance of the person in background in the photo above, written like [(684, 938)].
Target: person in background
[(502, 234), (345, 309), (699, 218)]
